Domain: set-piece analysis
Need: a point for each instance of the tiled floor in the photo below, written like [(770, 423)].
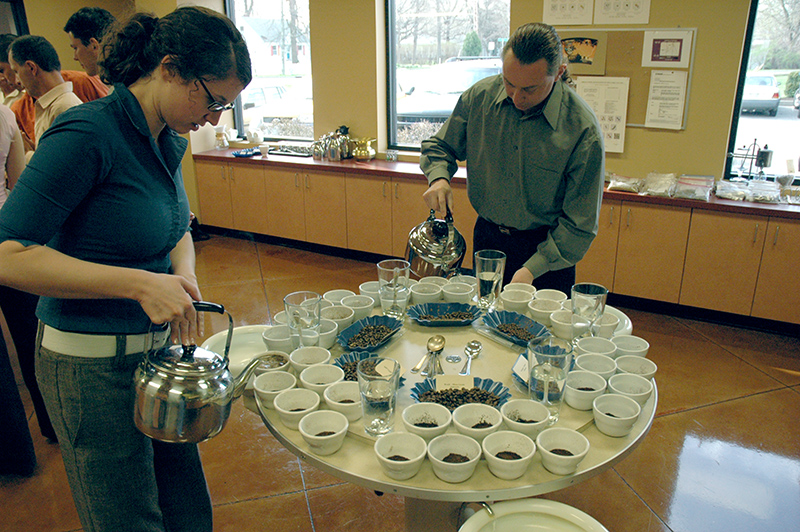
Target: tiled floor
[(723, 454)]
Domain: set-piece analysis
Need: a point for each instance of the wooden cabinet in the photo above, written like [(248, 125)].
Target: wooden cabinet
[(599, 263), (651, 250), (369, 213), (722, 261), (214, 194), (777, 294), (325, 206), (232, 196), (285, 204)]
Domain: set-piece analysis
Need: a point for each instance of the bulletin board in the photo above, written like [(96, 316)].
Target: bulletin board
[(623, 58)]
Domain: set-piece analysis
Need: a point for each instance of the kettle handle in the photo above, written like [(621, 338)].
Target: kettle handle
[(448, 216), (206, 306)]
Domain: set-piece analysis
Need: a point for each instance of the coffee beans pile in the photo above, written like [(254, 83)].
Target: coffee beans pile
[(452, 398), (458, 315), (369, 336), (512, 329), (351, 369)]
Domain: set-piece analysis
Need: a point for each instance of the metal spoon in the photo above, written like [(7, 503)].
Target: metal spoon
[(472, 350), (435, 346), (435, 343)]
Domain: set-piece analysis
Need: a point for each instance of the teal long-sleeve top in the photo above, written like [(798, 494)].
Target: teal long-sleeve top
[(526, 171), (100, 188)]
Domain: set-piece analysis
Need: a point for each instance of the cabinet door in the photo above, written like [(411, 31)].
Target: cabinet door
[(285, 206), (651, 250), (464, 217), (325, 208), (778, 287), (598, 265), (408, 211), (214, 195), (248, 198), (369, 214), (722, 260)]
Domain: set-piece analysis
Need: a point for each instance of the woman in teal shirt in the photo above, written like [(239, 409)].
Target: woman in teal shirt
[(98, 226)]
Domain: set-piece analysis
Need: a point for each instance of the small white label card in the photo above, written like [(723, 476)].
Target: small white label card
[(520, 368), (454, 382)]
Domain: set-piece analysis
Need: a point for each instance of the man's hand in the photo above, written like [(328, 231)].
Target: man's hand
[(439, 196), (523, 275)]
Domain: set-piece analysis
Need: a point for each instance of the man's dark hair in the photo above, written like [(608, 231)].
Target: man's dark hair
[(37, 49), (88, 22), (5, 43)]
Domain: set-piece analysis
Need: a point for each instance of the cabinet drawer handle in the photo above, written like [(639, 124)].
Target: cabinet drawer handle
[(777, 228), (384, 189), (307, 181), (297, 180), (396, 190), (628, 222), (611, 218), (755, 234)]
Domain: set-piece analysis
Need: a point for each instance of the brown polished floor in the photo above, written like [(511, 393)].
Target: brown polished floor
[(723, 454)]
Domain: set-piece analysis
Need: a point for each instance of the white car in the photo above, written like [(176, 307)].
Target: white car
[(761, 93)]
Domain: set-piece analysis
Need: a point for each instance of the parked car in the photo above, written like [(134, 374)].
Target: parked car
[(266, 102), (796, 102), (761, 93), (436, 94)]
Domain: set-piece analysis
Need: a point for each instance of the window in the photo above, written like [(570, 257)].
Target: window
[(436, 50), (279, 99), (768, 101)]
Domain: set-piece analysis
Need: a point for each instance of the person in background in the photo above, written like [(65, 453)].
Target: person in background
[(17, 456), (85, 87), (85, 29), (535, 162), (36, 65), (98, 227)]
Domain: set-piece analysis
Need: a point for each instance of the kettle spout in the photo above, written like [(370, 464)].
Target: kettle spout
[(244, 376)]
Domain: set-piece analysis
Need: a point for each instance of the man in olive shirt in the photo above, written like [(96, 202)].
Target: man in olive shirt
[(535, 162)]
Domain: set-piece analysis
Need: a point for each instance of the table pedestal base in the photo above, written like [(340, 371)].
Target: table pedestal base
[(431, 516)]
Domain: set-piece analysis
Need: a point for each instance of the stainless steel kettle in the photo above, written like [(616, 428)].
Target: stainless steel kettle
[(184, 393), (435, 247)]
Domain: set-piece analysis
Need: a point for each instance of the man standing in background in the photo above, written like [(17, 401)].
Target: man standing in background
[(85, 29)]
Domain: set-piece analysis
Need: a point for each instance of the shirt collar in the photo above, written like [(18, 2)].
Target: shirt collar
[(46, 99)]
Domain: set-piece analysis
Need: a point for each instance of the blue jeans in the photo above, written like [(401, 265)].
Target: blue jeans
[(120, 479)]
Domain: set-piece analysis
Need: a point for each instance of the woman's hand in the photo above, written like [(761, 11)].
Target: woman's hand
[(170, 298)]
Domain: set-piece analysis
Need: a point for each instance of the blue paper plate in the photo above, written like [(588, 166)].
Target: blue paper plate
[(356, 356), (417, 312), (500, 317), (495, 387), (345, 336)]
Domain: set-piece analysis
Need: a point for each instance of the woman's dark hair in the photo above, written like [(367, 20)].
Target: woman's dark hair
[(199, 42), (535, 40)]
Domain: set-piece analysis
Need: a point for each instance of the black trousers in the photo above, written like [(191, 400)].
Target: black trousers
[(519, 246)]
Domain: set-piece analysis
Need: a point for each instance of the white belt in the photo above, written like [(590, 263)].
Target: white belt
[(100, 345)]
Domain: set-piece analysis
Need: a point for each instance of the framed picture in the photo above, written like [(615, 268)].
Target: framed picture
[(584, 52)]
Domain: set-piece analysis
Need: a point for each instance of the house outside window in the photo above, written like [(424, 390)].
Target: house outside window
[(278, 101), (436, 50)]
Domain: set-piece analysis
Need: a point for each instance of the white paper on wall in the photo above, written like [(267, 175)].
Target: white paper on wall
[(608, 98)]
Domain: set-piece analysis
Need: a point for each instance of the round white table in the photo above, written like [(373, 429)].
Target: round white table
[(432, 504)]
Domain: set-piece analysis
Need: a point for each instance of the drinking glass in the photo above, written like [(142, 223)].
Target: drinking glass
[(302, 317), (490, 265), (394, 287), (589, 302), (378, 380), (549, 359)]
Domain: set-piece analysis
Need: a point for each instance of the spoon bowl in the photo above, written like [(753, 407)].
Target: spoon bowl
[(435, 346), (472, 350)]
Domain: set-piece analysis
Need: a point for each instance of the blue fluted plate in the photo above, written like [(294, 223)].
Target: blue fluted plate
[(357, 356), (500, 317), (495, 387), (417, 312), (345, 336)]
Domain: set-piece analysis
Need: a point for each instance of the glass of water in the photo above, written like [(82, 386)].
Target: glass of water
[(302, 317), (549, 359), (394, 287), (490, 266), (589, 302), (378, 380)]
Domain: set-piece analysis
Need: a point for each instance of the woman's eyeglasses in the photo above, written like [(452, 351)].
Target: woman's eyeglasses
[(215, 106)]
